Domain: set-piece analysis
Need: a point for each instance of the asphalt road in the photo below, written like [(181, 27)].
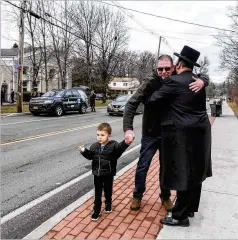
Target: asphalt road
[(39, 154)]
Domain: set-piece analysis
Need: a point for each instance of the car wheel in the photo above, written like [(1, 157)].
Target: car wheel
[(59, 110), (83, 109)]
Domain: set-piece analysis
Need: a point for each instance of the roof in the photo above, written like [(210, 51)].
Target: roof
[(12, 52), (123, 79), (9, 52), (122, 88)]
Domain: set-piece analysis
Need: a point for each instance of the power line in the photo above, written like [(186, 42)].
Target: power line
[(40, 17), (160, 30), (170, 37), (147, 29), (171, 19)]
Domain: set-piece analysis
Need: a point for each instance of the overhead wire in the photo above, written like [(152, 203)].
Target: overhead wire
[(146, 28), (171, 19), (39, 16)]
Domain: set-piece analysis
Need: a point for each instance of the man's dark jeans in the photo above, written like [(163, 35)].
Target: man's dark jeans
[(149, 146)]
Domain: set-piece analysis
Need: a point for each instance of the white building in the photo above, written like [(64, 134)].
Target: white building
[(9, 73), (124, 85)]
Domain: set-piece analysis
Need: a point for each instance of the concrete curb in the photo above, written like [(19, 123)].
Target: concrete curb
[(14, 114), (28, 113)]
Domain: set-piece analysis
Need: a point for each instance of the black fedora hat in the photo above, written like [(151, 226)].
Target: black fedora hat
[(190, 55)]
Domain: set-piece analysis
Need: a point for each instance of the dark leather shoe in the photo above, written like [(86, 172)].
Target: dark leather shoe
[(191, 214), (173, 222)]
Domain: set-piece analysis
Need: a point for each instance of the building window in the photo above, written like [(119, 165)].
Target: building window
[(125, 84), (25, 69), (24, 86), (114, 84)]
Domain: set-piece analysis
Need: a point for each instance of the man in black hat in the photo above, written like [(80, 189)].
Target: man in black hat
[(185, 138), (151, 135)]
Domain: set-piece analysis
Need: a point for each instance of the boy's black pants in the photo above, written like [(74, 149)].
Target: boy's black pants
[(100, 183)]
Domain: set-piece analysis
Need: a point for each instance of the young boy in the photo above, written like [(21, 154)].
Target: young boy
[(104, 155)]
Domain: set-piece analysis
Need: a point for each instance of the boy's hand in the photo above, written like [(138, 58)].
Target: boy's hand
[(81, 148), (129, 137)]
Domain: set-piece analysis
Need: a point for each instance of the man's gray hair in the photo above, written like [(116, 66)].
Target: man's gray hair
[(163, 57)]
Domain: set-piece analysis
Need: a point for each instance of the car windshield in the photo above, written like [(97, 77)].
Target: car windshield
[(53, 94), (123, 98)]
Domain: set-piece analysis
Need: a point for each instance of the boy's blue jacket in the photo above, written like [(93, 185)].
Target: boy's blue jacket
[(104, 162)]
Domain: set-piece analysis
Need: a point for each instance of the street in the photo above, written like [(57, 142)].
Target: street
[(39, 154)]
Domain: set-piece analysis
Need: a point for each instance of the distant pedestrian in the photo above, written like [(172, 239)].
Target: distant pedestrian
[(12, 95), (104, 155), (2, 96), (92, 101)]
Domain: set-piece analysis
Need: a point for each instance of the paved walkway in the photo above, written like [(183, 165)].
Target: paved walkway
[(121, 222), (218, 212)]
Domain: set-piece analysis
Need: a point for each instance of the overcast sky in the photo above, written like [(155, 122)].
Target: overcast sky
[(213, 13)]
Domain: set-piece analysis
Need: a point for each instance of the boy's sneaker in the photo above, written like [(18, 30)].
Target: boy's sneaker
[(95, 216), (108, 208)]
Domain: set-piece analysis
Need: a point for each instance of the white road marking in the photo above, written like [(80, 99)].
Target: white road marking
[(53, 133), (38, 120), (35, 202)]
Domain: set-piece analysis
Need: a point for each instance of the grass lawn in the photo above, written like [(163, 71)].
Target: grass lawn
[(234, 107), (13, 109), (100, 104)]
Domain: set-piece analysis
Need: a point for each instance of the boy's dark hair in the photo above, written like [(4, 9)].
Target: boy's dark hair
[(105, 127)]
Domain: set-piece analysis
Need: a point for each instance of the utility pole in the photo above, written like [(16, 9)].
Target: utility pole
[(20, 55), (160, 38)]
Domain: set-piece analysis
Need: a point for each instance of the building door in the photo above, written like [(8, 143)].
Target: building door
[(5, 91)]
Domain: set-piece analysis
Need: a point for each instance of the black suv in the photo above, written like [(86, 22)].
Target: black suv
[(59, 101)]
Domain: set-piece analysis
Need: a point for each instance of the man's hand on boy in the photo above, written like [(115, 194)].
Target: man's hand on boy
[(129, 137), (81, 148)]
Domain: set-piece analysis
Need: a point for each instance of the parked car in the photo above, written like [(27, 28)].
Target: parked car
[(117, 106), (59, 101)]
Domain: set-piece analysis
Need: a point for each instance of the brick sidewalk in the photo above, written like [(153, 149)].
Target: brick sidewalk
[(121, 223)]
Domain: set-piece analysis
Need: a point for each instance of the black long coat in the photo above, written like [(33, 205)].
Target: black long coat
[(186, 133), (92, 100)]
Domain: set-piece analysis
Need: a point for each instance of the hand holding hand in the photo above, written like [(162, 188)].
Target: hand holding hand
[(81, 148), (129, 137), (197, 85)]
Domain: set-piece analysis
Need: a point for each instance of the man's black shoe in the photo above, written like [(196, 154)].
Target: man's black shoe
[(108, 208), (191, 214), (173, 222)]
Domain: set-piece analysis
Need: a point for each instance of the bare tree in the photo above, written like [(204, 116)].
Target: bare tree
[(204, 69), (111, 37), (127, 66), (61, 38), (86, 17), (145, 64), (229, 54), (229, 42)]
